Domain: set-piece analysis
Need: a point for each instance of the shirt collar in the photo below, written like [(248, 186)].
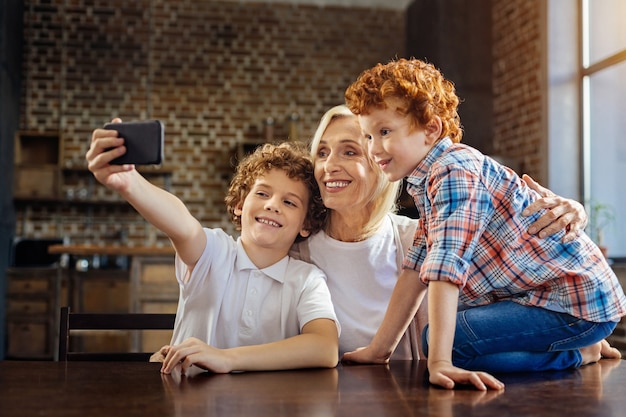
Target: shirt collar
[(419, 173), (276, 271)]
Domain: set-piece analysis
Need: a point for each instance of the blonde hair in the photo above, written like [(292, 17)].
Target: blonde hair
[(384, 197), (419, 85)]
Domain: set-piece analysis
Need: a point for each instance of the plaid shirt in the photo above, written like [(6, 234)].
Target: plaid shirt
[(472, 234)]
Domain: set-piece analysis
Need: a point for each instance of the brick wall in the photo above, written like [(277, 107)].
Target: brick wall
[(518, 80), (212, 71)]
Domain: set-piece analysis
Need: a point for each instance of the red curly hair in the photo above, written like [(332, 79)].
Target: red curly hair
[(421, 86)]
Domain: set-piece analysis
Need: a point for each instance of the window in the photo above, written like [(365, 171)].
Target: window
[(603, 115)]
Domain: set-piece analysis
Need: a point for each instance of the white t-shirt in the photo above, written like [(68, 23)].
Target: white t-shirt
[(229, 302), (361, 277)]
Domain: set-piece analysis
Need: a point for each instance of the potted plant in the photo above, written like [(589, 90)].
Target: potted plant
[(600, 216)]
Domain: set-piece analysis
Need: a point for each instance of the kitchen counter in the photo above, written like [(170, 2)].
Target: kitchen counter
[(113, 250)]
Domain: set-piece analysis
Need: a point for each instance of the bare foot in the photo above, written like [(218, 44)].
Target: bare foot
[(609, 352), (595, 352), (591, 353)]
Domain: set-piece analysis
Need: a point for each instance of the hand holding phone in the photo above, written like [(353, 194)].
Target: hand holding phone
[(143, 140)]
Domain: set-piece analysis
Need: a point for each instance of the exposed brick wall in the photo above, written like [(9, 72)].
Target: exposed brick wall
[(518, 76), (212, 71)]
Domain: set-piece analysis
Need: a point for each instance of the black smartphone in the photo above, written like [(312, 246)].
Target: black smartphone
[(143, 141)]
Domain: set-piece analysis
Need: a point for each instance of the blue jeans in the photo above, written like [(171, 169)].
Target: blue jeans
[(510, 337)]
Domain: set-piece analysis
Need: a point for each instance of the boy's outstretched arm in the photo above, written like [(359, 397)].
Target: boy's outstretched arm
[(317, 346), (162, 209)]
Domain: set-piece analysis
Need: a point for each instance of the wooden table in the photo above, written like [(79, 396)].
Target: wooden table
[(138, 389)]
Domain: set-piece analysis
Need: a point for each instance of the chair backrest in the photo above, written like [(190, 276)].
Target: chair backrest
[(108, 321)]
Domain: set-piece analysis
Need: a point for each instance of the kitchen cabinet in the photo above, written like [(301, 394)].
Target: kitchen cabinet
[(33, 299), (153, 289), (149, 286)]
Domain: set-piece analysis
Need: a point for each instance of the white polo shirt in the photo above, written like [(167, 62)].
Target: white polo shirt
[(229, 302)]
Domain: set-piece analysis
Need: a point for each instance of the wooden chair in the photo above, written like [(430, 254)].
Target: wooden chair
[(108, 321)]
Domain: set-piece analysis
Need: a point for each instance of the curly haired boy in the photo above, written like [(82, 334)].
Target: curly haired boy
[(244, 304)]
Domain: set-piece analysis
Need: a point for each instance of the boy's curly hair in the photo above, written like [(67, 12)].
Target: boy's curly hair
[(294, 159), (418, 84)]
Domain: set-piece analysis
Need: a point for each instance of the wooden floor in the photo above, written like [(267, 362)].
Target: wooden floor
[(401, 389)]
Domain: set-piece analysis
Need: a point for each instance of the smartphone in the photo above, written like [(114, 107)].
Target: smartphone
[(143, 141)]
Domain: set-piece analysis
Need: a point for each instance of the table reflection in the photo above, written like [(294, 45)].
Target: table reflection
[(292, 393), (405, 391), (398, 389)]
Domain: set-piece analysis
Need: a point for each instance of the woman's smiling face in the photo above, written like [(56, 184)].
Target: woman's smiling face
[(343, 171)]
